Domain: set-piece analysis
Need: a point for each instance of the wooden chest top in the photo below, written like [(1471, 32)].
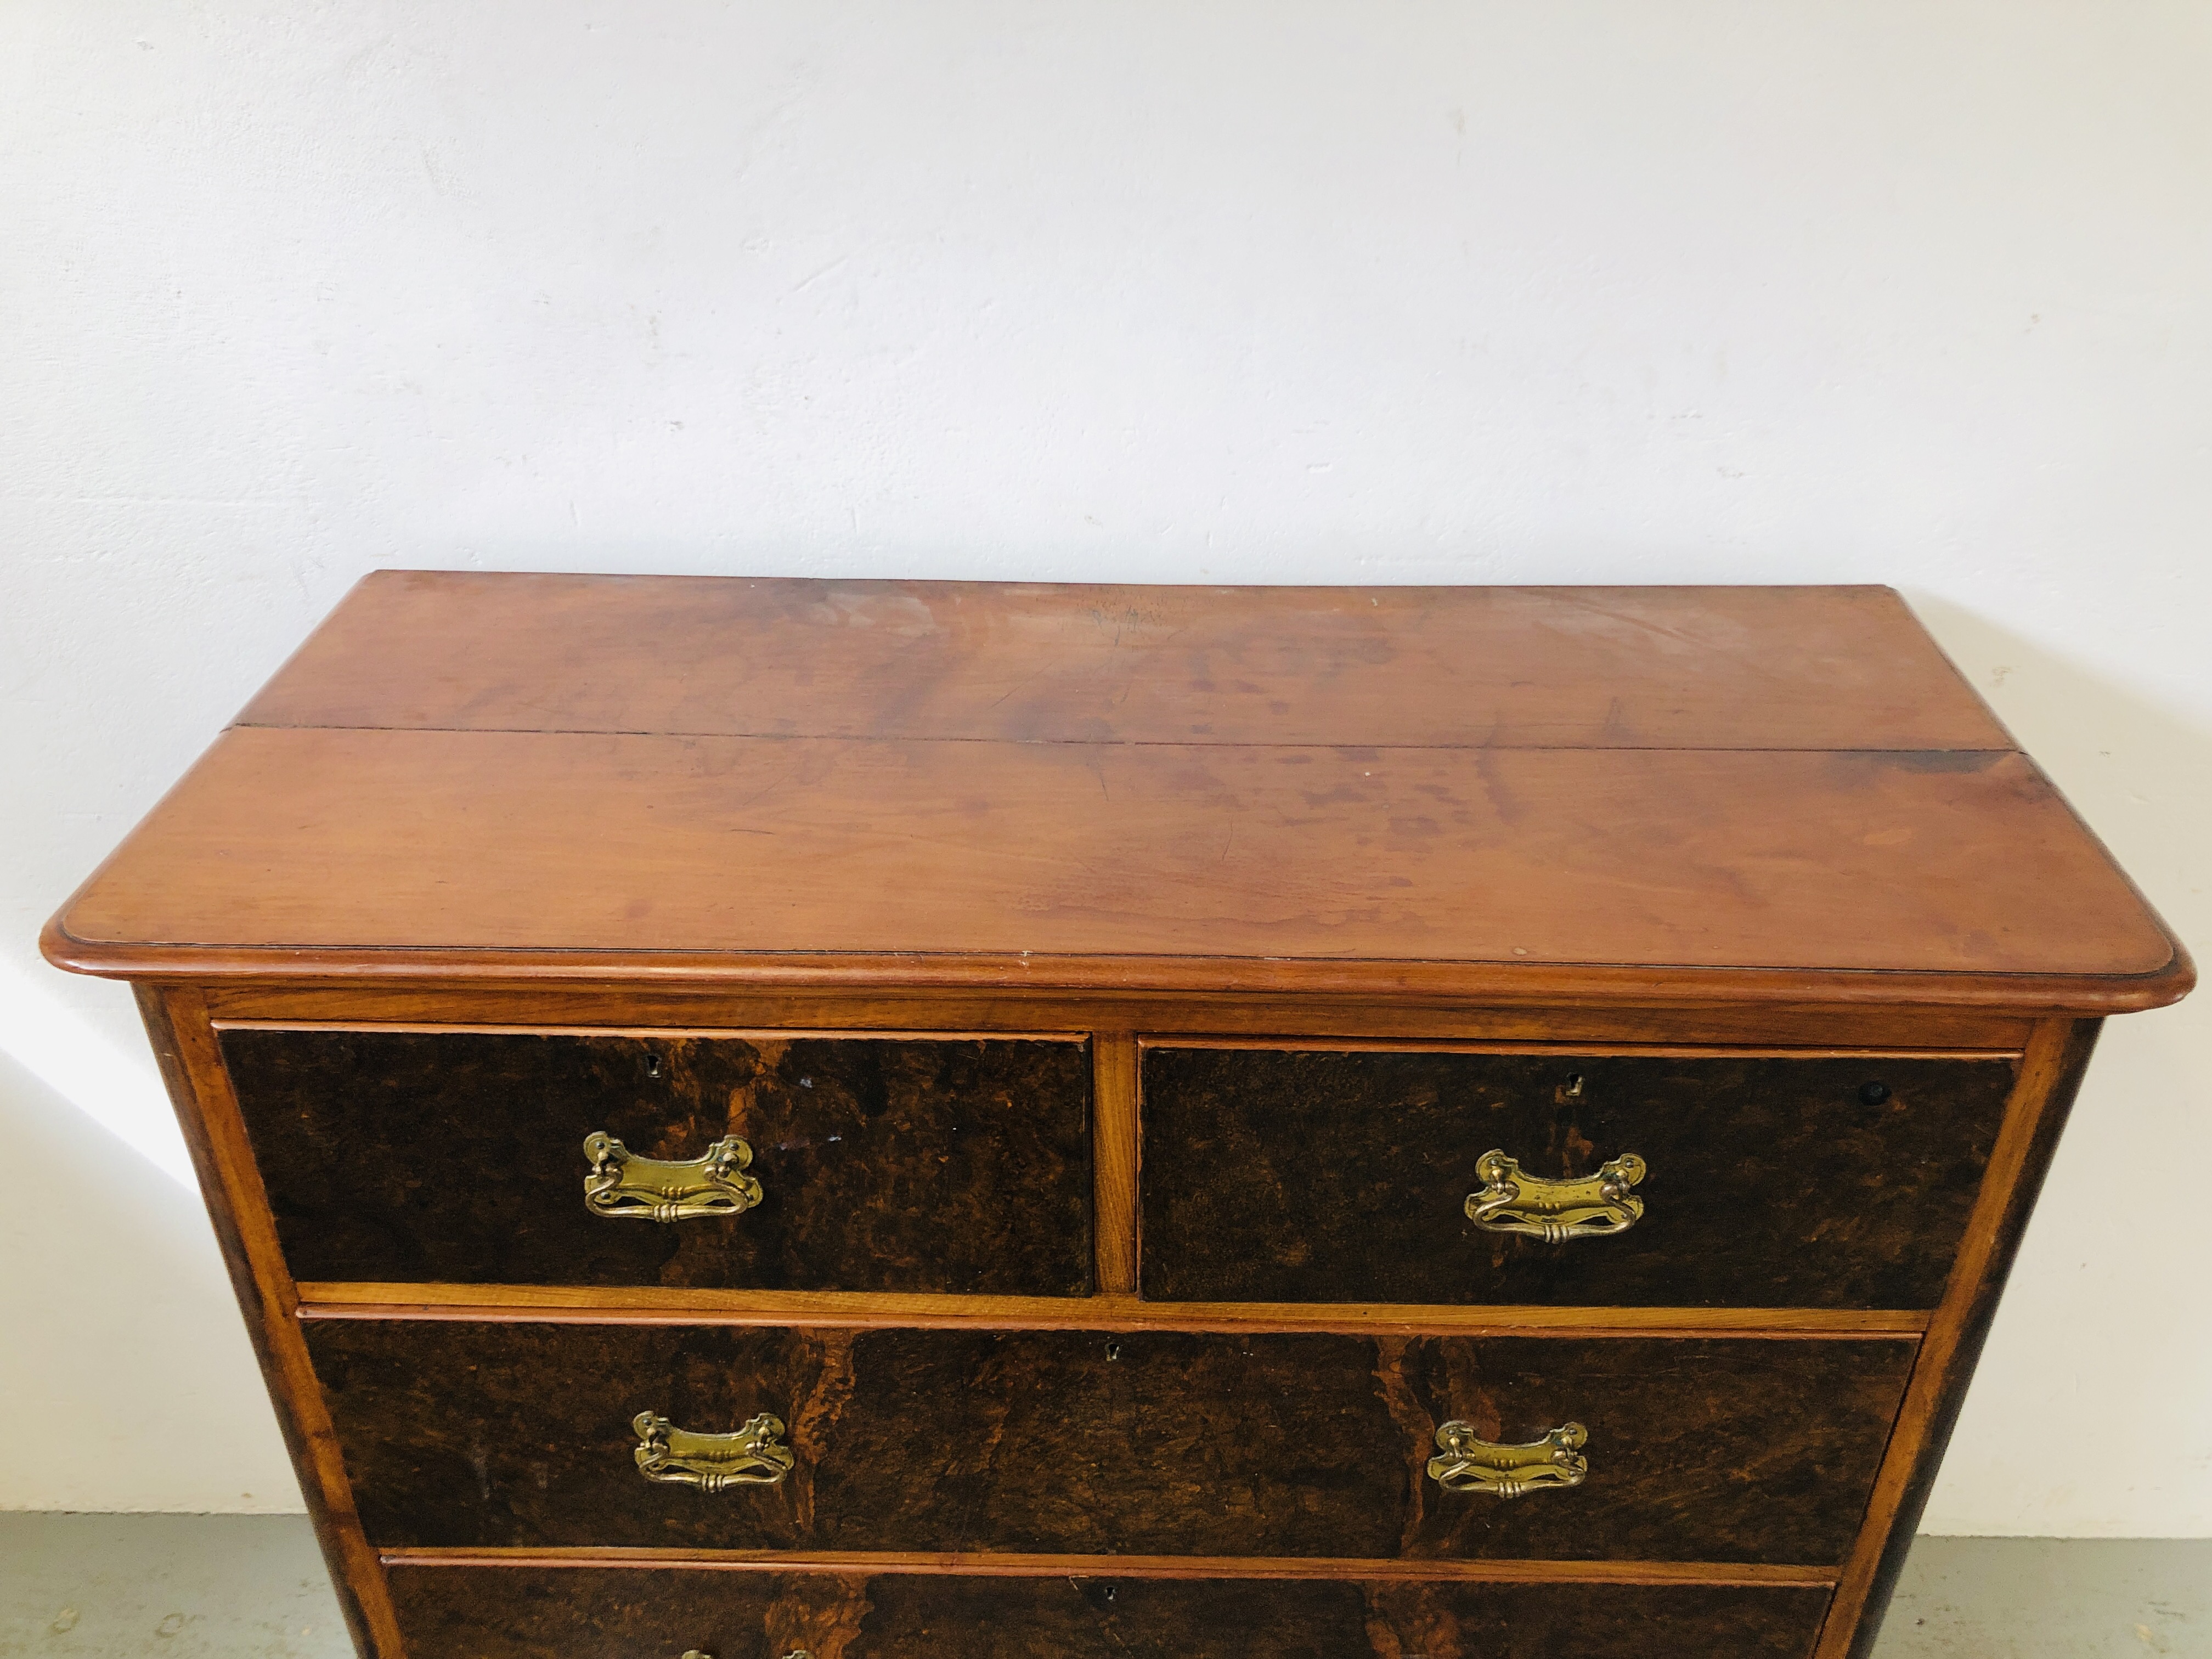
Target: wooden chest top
[(1506, 794)]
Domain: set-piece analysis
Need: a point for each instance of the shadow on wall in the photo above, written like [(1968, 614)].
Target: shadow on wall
[(128, 1381), (2074, 1425)]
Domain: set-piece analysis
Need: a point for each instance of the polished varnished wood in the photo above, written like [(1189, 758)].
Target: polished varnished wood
[(1090, 1442), (1114, 1105), (2051, 1076), (1948, 875), (1285, 1175), (649, 1305), (912, 1165), (589, 1006), (1496, 667), (184, 1043), (1174, 952), (520, 1613), (1009, 1563)]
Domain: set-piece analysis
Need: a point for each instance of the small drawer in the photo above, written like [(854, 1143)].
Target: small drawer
[(1083, 1443), (1635, 1179), (952, 1164), (615, 1613)]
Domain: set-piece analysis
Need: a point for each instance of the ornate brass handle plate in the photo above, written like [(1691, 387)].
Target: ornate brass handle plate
[(653, 1189), (1465, 1462), (754, 1456), (1511, 1201)]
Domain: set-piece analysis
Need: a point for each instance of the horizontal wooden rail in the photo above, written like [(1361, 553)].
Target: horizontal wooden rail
[(653, 1305), (1727, 1573)]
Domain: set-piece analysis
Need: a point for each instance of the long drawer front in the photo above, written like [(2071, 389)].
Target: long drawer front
[(460, 1612), (1283, 1175), (1078, 1442)]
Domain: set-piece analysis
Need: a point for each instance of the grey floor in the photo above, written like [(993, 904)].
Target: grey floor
[(234, 1587)]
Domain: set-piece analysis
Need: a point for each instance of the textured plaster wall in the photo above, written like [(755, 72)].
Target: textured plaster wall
[(1377, 293)]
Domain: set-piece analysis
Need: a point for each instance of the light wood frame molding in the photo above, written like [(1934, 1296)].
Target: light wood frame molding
[(2049, 1076), (184, 1040)]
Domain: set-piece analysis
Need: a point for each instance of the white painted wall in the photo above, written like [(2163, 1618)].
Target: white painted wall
[(1647, 291)]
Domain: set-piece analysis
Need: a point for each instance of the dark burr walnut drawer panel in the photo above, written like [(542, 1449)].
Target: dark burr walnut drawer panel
[(897, 1164), (1290, 1175), (1079, 1443), (513, 1612)]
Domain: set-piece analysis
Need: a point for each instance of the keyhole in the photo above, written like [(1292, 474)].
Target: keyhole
[(1570, 1090), (653, 1065), (1113, 1351)]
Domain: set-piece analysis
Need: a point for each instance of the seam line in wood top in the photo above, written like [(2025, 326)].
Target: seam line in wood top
[(650, 1305), (1126, 1566)]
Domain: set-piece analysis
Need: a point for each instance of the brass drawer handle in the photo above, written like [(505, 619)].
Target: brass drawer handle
[(754, 1456), (1468, 1463), (653, 1189), (1511, 1201)]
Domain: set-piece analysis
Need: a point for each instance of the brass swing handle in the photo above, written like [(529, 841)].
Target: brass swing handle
[(754, 1456), (1511, 1201), (622, 1184), (1465, 1462)]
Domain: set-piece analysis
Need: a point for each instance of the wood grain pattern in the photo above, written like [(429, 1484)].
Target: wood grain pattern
[(377, 1000), (2050, 1074), (1341, 1176), (1113, 1108), (1092, 1443), (650, 1305), (1011, 1565), (740, 825), (915, 1166), (612, 1614), (184, 1045), (498, 854), (1603, 667)]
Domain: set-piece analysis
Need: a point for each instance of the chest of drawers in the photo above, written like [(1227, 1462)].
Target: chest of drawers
[(873, 1120)]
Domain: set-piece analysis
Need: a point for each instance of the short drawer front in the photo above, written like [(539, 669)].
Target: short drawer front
[(507, 1613), (1280, 1176), (950, 1164), (1079, 1443)]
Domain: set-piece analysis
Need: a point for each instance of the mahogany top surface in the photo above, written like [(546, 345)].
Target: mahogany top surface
[(1690, 794), (1457, 667)]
